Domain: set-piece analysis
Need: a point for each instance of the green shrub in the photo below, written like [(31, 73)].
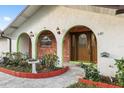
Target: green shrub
[(91, 72), (49, 61), (81, 85), (14, 58), (120, 73), (16, 61)]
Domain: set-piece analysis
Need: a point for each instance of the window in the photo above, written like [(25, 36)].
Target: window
[(46, 41), (83, 40)]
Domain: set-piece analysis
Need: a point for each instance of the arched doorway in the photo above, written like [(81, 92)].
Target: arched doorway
[(80, 45), (46, 43), (24, 45)]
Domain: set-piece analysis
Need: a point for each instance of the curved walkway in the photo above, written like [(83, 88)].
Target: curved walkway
[(64, 80)]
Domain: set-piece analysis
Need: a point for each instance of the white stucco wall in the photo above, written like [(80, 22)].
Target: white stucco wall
[(24, 44), (4, 46), (51, 17)]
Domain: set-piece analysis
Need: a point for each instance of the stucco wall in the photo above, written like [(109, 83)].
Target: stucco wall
[(24, 44), (4, 46), (108, 30)]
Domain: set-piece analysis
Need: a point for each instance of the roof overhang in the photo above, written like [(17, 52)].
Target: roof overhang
[(31, 9), (119, 9), (21, 18)]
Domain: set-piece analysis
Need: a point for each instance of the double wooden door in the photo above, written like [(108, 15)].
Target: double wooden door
[(83, 46)]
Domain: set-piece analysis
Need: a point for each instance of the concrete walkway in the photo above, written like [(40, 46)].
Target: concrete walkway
[(64, 80)]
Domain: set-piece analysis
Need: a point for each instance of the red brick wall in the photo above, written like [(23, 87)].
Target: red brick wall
[(52, 49), (66, 48), (46, 50)]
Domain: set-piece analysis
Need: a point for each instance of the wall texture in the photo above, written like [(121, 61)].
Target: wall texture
[(108, 29), (4, 46), (24, 44)]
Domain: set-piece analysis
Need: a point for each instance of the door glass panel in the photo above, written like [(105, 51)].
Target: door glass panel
[(82, 40)]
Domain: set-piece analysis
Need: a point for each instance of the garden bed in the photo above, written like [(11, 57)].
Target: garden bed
[(98, 84), (35, 75), (81, 85)]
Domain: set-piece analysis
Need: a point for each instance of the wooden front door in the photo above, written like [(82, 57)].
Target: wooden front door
[(83, 46)]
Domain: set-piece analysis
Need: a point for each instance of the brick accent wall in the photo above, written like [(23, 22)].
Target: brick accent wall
[(52, 48), (46, 50), (66, 48)]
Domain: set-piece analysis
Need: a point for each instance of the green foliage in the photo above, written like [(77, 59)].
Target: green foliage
[(49, 61), (15, 55), (23, 63), (120, 73), (81, 85), (91, 72), (16, 61)]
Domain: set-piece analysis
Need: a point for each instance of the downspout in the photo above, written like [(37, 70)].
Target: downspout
[(10, 41)]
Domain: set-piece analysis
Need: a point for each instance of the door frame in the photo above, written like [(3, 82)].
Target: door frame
[(76, 34), (84, 29)]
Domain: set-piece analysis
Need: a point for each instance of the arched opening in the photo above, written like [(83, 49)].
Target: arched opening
[(24, 45), (79, 44), (46, 43)]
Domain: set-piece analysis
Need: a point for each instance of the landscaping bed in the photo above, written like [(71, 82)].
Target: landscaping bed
[(84, 83), (92, 76), (28, 68), (35, 75), (98, 84), (81, 85), (17, 64)]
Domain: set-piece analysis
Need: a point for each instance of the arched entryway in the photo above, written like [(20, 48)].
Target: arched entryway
[(24, 44), (46, 43), (80, 44)]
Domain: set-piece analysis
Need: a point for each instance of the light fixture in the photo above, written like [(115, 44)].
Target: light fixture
[(44, 28), (100, 33), (31, 34), (58, 30)]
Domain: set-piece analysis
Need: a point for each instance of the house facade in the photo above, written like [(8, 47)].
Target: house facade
[(75, 33)]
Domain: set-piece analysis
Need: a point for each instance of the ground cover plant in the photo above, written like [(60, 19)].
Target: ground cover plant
[(19, 62), (120, 73), (91, 73), (16, 61), (81, 85)]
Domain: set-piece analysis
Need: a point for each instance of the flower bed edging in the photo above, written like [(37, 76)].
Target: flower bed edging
[(98, 84), (35, 75)]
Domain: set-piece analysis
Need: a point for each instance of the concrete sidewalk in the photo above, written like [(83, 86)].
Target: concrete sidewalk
[(64, 80)]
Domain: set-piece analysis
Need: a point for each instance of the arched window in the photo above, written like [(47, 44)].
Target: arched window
[(83, 40)]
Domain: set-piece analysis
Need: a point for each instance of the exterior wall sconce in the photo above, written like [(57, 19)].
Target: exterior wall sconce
[(44, 28), (31, 34), (58, 30), (100, 33), (105, 54)]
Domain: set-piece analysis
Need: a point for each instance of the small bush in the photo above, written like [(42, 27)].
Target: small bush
[(120, 73), (49, 61), (81, 85), (91, 72), (16, 61)]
